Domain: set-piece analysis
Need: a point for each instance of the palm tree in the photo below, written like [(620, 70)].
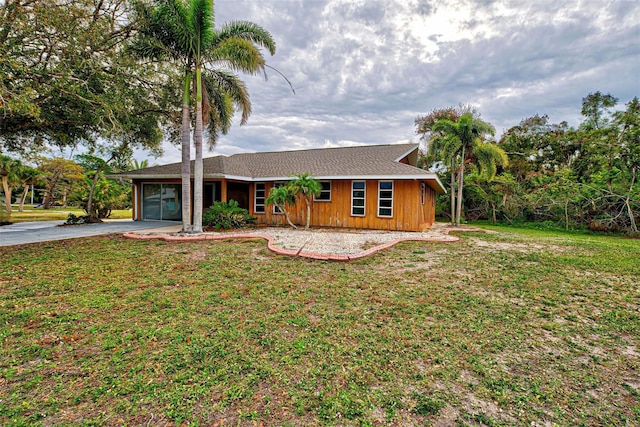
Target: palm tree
[(134, 164), (306, 187), (281, 197), (9, 175), (464, 139), (183, 31), (28, 176), (218, 90)]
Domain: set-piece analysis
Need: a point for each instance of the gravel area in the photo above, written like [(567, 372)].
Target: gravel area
[(334, 241)]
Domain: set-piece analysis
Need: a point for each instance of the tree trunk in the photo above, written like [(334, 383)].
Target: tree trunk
[(90, 211), (566, 214), (460, 183), (7, 193), (48, 193), (306, 227), (288, 218), (493, 206), (23, 198), (185, 139), (198, 173), (634, 227), (453, 191)]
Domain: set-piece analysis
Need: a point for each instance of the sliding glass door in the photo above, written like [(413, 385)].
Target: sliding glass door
[(161, 202)]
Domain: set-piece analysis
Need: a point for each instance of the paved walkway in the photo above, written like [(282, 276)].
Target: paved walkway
[(42, 231)]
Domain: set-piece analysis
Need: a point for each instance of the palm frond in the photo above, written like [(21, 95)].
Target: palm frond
[(229, 83), (249, 31), (171, 25), (489, 157), (202, 24), (237, 55)]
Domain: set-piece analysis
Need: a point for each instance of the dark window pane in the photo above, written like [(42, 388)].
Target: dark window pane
[(386, 194), (386, 185), (358, 185), (385, 212), (385, 203), (358, 211)]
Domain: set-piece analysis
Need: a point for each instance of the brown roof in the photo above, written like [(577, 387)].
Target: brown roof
[(367, 161)]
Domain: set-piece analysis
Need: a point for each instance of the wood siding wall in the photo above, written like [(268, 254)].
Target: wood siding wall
[(409, 214)]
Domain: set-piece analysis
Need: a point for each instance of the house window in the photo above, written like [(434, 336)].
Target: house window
[(358, 195), (260, 195), (325, 192), (276, 210), (385, 198)]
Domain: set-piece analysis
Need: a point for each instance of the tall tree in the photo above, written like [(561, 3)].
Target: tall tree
[(59, 174), (183, 31), (465, 139), (67, 78)]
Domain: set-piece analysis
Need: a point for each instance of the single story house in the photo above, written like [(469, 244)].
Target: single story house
[(368, 187)]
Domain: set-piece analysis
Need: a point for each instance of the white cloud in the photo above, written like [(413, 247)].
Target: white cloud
[(363, 70)]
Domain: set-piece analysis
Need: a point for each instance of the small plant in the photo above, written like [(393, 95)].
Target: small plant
[(426, 405), (227, 215), (75, 220)]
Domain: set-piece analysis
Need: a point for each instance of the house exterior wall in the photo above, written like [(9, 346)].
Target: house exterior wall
[(409, 214), (413, 210)]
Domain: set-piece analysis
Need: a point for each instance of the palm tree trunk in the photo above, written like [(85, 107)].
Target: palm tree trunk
[(287, 217), (7, 193), (306, 227), (198, 173), (453, 190), (23, 198), (460, 182), (185, 140)]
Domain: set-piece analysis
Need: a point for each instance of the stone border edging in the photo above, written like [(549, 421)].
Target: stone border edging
[(300, 253)]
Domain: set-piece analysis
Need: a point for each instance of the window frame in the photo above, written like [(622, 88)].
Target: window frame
[(323, 190), (390, 199), (276, 184), (364, 198), (256, 198)]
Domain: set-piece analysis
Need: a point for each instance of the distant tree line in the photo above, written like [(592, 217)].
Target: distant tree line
[(584, 177)]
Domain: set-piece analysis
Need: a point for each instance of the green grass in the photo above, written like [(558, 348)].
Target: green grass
[(515, 328), (56, 213)]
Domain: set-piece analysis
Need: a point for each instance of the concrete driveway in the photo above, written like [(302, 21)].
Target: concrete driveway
[(42, 231)]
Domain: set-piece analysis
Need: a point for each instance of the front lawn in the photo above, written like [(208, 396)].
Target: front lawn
[(30, 213), (514, 328)]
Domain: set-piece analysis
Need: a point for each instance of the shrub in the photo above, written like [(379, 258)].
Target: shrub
[(75, 220), (223, 215)]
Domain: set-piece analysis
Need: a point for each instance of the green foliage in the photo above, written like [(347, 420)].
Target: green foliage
[(574, 178), (76, 220), (282, 198), (225, 216), (66, 78), (304, 186)]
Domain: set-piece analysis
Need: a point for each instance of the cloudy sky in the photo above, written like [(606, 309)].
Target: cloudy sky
[(363, 70)]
